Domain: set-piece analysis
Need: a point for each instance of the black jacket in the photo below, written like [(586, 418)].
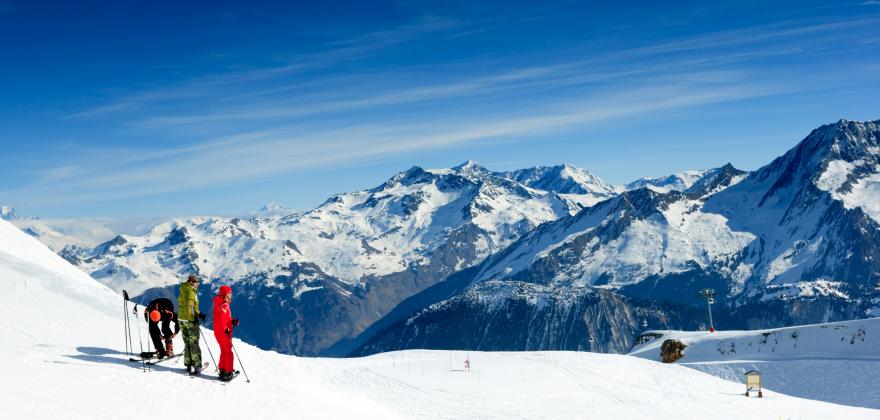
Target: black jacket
[(166, 308)]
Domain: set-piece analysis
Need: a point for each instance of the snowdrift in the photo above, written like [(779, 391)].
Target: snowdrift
[(61, 339), (837, 362)]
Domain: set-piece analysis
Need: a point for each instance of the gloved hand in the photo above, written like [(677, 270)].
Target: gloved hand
[(234, 322), (229, 333), (203, 316)]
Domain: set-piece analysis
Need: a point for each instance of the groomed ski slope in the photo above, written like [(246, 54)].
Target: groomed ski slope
[(837, 362), (61, 342)]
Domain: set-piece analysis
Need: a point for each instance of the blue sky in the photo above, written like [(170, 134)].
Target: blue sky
[(136, 108)]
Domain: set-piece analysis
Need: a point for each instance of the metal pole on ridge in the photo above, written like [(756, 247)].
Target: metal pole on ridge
[(709, 294)]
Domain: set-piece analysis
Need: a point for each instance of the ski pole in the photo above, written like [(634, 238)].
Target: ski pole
[(239, 361), (125, 320), (140, 340), (149, 333), (198, 325), (127, 323), (216, 368)]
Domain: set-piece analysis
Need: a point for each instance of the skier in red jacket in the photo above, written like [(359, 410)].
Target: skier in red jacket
[(223, 325)]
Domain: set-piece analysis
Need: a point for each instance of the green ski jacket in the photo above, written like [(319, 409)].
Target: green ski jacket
[(187, 303)]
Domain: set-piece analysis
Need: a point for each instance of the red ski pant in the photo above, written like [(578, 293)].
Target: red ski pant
[(225, 343)]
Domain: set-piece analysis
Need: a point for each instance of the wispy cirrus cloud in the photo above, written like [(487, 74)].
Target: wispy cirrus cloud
[(208, 94), (310, 110), (336, 52), (250, 157)]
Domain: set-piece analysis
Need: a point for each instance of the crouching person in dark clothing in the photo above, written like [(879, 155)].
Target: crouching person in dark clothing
[(162, 310)]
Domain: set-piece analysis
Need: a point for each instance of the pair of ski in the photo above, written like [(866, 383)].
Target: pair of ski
[(197, 372), (153, 360), (234, 375)]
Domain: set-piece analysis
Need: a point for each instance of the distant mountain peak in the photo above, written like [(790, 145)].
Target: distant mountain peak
[(411, 176), (715, 180), (275, 207), (467, 164), (852, 144), (563, 179), (8, 212), (680, 181), (845, 136), (471, 170)]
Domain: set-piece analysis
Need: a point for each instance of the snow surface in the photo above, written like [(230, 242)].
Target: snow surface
[(863, 193), (836, 362), (61, 338)]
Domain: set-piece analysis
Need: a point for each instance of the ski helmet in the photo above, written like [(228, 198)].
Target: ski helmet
[(225, 290), (155, 315)]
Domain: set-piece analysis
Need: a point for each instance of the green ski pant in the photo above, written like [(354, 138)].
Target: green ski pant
[(192, 353)]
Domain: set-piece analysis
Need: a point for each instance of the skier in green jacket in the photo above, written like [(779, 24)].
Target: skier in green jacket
[(189, 316)]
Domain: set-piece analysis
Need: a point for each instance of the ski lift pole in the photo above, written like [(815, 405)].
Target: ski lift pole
[(709, 294), (711, 322), (239, 361)]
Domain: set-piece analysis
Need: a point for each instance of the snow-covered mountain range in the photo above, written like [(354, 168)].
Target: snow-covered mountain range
[(351, 237), (322, 276), (430, 253), (796, 241)]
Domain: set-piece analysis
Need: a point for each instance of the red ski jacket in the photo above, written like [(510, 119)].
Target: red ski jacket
[(222, 316)]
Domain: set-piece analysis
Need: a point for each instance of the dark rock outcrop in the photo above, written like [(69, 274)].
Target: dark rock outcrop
[(671, 350)]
